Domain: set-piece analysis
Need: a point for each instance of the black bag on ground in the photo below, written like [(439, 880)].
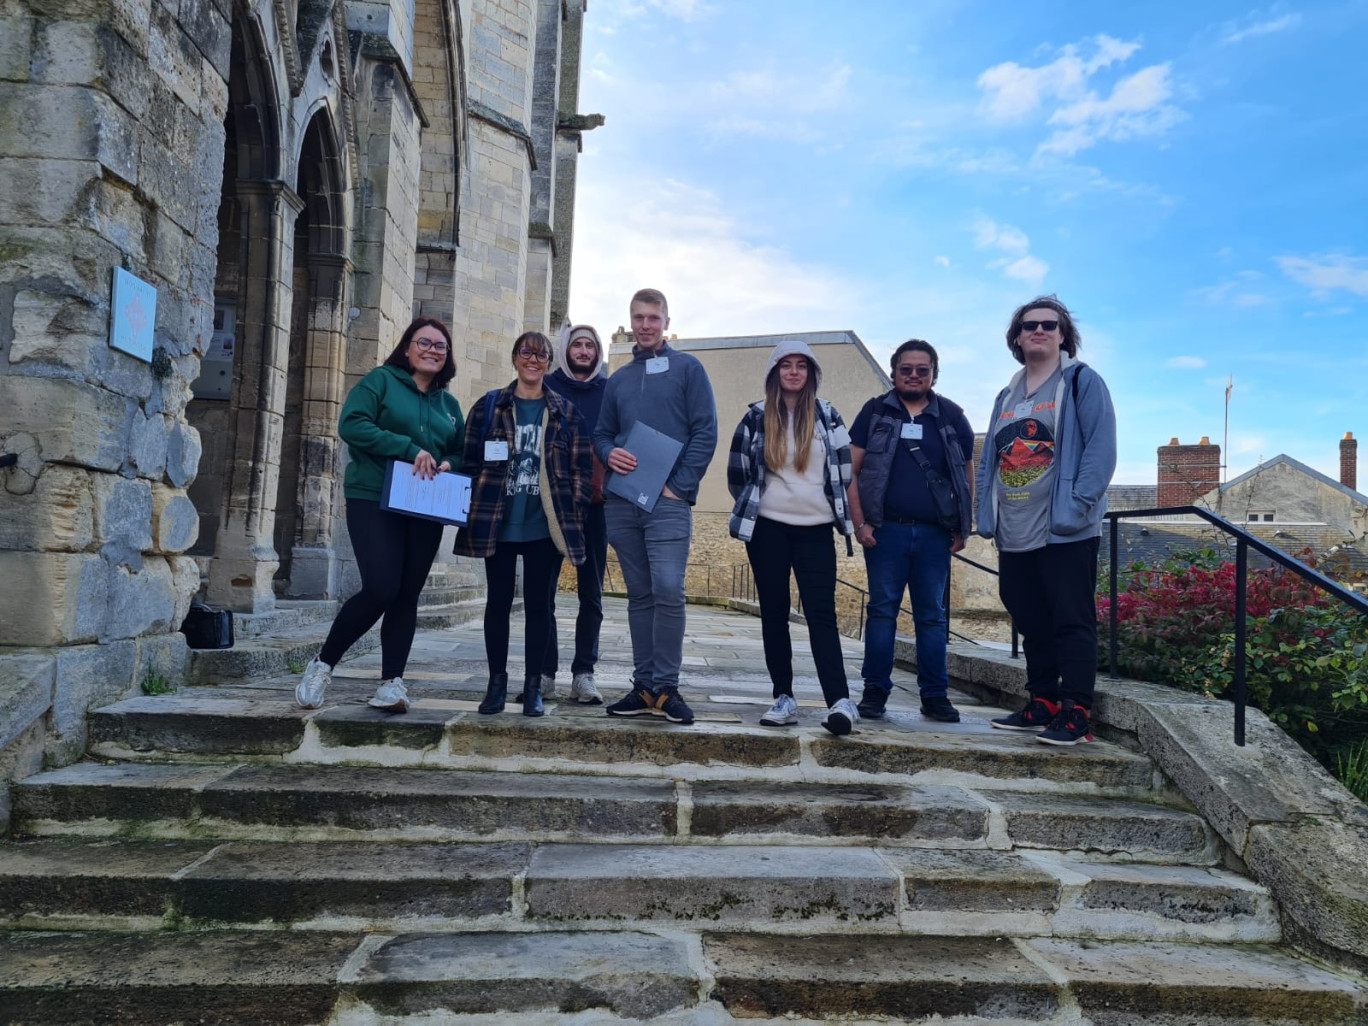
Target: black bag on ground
[(942, 492), (205, 627)]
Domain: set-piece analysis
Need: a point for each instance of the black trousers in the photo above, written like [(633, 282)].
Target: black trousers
[(393, 554), (541, 566), (589, 584), (1051, 594), (774, 550)]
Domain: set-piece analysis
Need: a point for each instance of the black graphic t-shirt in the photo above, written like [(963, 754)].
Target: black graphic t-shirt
[(524, 517)]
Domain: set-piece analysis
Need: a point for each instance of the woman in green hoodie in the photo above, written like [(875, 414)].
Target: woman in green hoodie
[(401, 411)]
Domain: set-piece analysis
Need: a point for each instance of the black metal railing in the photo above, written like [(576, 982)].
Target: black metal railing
[(1244, 541)]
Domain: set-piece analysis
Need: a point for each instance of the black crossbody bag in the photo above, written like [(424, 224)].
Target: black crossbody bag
[(942, 492)]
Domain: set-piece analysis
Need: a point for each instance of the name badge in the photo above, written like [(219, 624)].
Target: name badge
[(657, 365), (1023, 409), (496, 452), (912, 431)]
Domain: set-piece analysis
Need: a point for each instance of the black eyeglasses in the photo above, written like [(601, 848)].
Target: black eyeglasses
[(1042, 325), (427, 344), (528, 353), (915, 372)]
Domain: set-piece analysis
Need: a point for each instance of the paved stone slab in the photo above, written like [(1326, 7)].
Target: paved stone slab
[(1116, 983), (628, 974), (1066, 822), (447, 803), (174, 723), (345, 726), (275, 978), (74, 876), (599, 738), (290, 883), (973, 881), (990, 756), (1183, 894), (729, 885), (905, 977), (881, 811), (124, 791)]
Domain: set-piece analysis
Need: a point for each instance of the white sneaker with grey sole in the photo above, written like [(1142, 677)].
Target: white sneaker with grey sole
[(783, 712), (841, 717), (313, 686), (391, 696), (584, 691)]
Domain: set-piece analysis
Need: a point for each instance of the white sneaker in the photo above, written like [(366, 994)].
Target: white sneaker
[(391, 696), (583, 690), (548, 682), (313, 685), (783, 712), (841, 717)]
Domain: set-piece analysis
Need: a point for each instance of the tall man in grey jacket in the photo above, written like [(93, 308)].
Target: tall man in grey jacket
[(1042, 486), (670, 392)]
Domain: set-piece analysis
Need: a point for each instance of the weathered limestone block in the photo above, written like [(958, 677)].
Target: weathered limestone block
[(88, 676), (174, 56), (25, 691), (40, 191), (77, 123), (54, 327), (57, 516), (175, 521), (164, 655), (182, 455), (16, 31), (62, 602), (73, 422), (123, 518), (148, 445), (185, 577), (142, 601), (66, 52), (132, 20), (205, 26)]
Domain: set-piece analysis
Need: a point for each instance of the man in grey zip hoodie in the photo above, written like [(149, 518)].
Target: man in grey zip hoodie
[(1042, 486), (670, 392)]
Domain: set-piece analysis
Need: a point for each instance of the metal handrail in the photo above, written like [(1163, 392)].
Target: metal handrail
[(1243, 542)]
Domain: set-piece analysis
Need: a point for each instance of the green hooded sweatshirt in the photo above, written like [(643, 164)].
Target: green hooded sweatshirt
[(385, 417)]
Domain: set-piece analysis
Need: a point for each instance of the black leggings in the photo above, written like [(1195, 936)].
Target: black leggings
[(541, 571), (394, 554)]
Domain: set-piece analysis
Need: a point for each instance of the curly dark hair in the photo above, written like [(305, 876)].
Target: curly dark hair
[(915, 345), (1072, 341), (399, 356)]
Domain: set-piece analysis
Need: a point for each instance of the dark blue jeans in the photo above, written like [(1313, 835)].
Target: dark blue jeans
[(653, 551), (914, 557), (589, 584)]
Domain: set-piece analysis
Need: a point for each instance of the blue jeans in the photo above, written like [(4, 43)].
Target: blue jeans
[(915, 557), (653, 551)]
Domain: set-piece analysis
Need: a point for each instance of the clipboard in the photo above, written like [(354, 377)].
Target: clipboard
[(655, 455), (445, 499)]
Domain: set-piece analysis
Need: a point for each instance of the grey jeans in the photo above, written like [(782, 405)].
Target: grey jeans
[(653, 551)]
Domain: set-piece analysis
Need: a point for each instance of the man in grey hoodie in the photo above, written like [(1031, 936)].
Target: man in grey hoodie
[(670, 392), (1042, 487)]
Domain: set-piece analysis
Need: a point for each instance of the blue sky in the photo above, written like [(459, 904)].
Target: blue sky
[(1190, 178)]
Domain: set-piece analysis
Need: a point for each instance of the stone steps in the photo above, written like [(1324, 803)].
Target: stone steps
[(83, 883), (449, 733), (266, 978)]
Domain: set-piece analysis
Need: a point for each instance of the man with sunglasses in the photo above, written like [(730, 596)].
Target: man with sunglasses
[(906, 446), (669, 391), (1043, 480)]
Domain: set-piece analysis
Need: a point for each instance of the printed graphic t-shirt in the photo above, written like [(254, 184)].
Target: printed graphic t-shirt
[(1024, 450), (524, 517)]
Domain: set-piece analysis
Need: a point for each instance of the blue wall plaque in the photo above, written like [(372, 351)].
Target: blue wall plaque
[(134, 315)]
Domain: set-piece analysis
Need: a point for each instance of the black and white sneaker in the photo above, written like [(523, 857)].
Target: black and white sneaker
[(841, 717), (1037, 715), (1070, 727), (672, 707), (637, 702)]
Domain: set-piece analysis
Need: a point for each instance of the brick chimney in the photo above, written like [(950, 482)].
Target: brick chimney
[(1187, 471), (1349, 461)]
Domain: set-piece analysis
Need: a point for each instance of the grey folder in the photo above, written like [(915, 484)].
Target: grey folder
[(655, 455)]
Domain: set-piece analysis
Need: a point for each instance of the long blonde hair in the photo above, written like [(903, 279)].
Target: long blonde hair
[(777, 416)]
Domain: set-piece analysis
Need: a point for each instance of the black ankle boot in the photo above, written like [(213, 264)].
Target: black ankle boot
[(531, 696), (495, 695)]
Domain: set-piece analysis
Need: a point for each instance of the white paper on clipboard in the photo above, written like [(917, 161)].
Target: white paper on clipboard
[(445, 498)]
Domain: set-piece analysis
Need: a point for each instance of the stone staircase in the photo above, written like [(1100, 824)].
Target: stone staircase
[(226, 857)]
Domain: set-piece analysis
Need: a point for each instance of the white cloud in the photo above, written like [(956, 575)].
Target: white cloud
[(942, 261), (1028, 269), (1186, 362), (1012, 92), (678, 238), (1017, 263), (1267, 27), (1241, 291), (1328, 272), (1138, 106)]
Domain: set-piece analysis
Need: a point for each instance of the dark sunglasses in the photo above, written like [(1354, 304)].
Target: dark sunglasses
[(1042, 325), (915, 372)]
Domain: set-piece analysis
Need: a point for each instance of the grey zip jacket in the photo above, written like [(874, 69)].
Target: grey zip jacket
[(1085, 455)]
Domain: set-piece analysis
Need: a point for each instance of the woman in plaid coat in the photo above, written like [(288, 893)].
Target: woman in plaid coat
[(530, 462), (788, 472)]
